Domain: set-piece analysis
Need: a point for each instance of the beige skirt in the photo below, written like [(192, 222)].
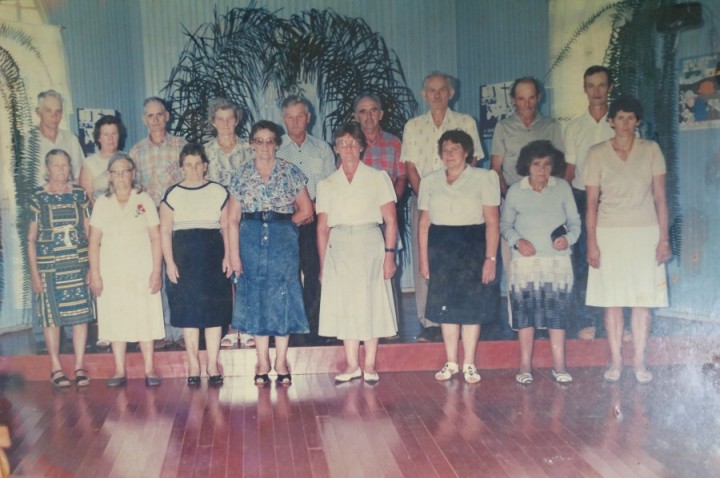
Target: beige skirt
[(356, 302), (629, 275)]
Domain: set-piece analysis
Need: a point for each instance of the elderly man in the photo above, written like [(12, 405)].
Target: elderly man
[(420, 155), (383, 149), (50, 136), (527, 124), (156, 158), (584, 131), (316, 160)]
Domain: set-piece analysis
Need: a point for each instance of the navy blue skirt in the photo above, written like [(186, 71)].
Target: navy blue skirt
[(456, 294), (203, 295), (268, 299)]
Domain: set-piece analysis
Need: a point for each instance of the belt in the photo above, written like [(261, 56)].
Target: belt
[(267, 216)]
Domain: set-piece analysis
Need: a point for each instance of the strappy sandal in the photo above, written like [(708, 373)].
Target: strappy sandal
[(230, 341), (284, 379), (262, 379), (81, 378), (524, 378), (470, 373), (59, 380), (446, 373), (561, 377)]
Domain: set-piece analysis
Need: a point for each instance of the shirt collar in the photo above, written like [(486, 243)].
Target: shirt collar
[(525, 182)]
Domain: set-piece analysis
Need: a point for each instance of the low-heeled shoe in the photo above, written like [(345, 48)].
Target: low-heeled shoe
[(371, 377), (152, 381), (216, 379), (193, 380), (116, 381), (346, 377)]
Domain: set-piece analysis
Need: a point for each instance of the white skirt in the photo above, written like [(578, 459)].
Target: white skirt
[(629, 275), (356, 302)]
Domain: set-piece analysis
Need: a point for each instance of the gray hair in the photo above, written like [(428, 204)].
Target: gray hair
[(58, 152), (154, 99), (369, 96), (293, 100), (439, 74), (115, 158), (223, 104), (49, 94)]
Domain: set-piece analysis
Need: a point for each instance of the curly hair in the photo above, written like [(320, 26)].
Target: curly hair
[(540, 149)]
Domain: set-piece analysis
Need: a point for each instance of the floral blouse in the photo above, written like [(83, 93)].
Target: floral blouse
[(278, 195)]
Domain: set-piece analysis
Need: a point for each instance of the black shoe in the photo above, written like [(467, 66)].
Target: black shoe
[(193, 380), (430, 334), (116, 381), (262, 379), (216, 379), (284, 379), (152, 381)]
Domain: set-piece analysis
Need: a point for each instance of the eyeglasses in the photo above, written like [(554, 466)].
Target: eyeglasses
[(260, 141), (120, 172), (347, 143)]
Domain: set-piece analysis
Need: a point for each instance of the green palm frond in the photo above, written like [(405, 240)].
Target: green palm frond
[(243, 53), (24, 149), (225, 58)]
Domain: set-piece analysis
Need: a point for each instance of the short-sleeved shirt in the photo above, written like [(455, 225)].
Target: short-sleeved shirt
[(138, 214), (196, 207), (384, 154), (421, 136), (533, 216), (66, 141), (460, 203), (511, 136), (314, 158), (97, 166), (626, 194), (278, 195), (222, 166), (581, 134), (157, 165), (357, 202)]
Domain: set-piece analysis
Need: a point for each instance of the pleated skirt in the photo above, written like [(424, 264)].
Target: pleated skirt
[(356, 302)]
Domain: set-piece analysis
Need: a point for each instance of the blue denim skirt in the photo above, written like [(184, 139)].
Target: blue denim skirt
[(268, 299)]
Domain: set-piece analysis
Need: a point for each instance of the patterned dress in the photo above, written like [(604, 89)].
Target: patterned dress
[(62, 257)]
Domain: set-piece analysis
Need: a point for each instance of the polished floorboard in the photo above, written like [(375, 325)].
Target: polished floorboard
[(407, 425)]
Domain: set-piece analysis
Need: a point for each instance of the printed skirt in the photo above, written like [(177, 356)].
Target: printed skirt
[(540, 291)]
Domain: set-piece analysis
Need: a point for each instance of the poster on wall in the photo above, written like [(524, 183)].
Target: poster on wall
[(700, 92), (495, 105)]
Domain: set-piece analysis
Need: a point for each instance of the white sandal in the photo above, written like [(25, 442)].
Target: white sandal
[(247, 341), (230, 341), (446, 373), (470, 373)]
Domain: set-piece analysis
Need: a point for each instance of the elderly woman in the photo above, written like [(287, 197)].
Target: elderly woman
[(126, 268), (540, 222), (226, 153), (193, 224), (109, 135), (58, 259), (458, 238), (357, 263), (269, 201), (627, 229)]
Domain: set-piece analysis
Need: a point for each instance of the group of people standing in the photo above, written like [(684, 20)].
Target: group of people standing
[(200, 218)]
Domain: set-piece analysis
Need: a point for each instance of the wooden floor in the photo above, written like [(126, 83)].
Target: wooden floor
[(407, 425)]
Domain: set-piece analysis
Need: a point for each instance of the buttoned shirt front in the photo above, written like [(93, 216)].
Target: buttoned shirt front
[(66, 141), (221, 165), (581, 134), (460, 203), (511, 135), (157, 165), (314, 158), (384, 154), (420, 137)]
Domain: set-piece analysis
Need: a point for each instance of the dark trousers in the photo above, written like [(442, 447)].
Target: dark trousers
[(310, 267), (585, 316)]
